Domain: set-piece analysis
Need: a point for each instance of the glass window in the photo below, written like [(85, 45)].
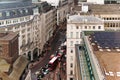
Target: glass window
[(93, 27), (77, 42), (0, 14), (85, 27), (77, 27), (71, 78), (71, 65), (71, 43), (71, 58), (71, 27), (7, 13), (21, 11), (77, 34), (26, 10), (71, 72), (71, 34), (99, 27), (14, 12)]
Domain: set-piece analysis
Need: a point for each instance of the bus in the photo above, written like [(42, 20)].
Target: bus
[(53, 63)]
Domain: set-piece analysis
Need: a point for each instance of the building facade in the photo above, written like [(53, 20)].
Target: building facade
[(101, 1), (109, 13), (31, 20), (9, 46), (62, 9), (75, 25)]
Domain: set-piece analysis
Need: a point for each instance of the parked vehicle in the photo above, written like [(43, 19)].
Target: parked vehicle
[(53, 63)]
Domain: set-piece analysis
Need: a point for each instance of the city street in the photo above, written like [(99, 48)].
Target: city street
[(58, 39)]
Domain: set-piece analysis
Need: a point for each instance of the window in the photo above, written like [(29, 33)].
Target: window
[(26, 10), (99, 27), (7, 13), (71, 34), (71, 78), (8, 21), (77, 42), (89, 27), (71, 27), (93, 27), (77, 34), (77, 27), (85, 27), (14, 12), (71, 43), (71, 58), (71, 72), (0, 14), (21, 11), (2, 22), (71, 65), (71, 51)]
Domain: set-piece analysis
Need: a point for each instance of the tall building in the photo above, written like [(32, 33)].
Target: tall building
[(62, 9), (9, 46), (16, 16), (75, 25), (31, 19)]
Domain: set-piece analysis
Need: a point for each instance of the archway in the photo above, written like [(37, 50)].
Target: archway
[(35, 53)]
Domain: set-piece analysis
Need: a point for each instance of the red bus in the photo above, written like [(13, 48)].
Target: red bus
[(53, 63)]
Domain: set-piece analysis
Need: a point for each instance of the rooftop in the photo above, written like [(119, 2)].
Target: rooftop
[(105, 9), (18, 68), (4, 66), (7, 35), (84, 19), (108, 56)]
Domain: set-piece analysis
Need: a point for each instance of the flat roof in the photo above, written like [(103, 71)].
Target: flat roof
[(110, 64), (84, 19), (105, 8), (7, 35), (108, 59)]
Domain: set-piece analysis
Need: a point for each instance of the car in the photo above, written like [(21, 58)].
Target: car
[(40, 76), (46, 71), (37, 72)]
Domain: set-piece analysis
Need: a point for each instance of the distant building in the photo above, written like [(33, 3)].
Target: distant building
[(109, 13), (98, 57), (62, 7), (76, 24), (9, 46), (101, 1)]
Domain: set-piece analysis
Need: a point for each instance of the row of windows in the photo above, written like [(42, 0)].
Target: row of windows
[(78, 35), (112, 18), (71, 43), (14, 12), (14, 20), (112, 24), (87, 27)]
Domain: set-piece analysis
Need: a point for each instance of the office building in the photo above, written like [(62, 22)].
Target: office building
[(98, 57), (75, 25)]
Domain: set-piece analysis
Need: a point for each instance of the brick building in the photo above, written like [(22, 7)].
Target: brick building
[(9, 46)]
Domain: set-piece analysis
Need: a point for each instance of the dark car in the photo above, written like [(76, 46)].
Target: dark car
[(40, 76)]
